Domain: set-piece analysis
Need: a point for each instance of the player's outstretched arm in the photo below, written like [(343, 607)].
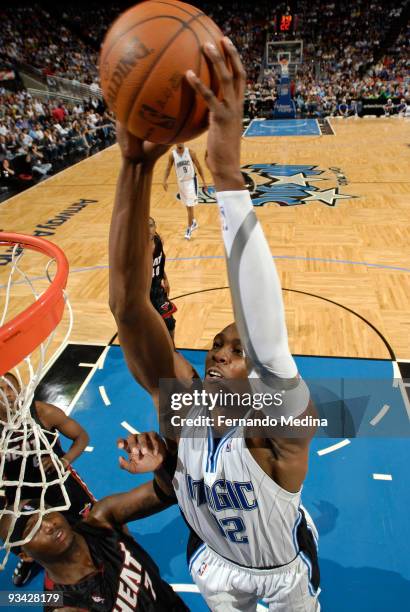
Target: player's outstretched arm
[(142, 333), (54, 418), (254, 282)]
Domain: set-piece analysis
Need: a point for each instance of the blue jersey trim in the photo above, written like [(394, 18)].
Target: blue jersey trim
[(214, 454)]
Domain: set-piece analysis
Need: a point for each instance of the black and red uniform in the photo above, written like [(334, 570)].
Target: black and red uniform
[(127, 579), (158, 296), (80, 496)]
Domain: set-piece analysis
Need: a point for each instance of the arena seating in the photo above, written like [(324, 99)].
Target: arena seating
[(38, 138), (349, 56)]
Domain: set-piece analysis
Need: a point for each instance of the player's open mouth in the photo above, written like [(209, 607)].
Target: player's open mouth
[(213, 373), (60, 535)]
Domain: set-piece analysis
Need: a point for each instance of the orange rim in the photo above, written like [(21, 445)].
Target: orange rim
[(22, 334)]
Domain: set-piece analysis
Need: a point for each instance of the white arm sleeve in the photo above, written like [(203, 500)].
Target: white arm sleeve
[(255, 286), (257, 297)]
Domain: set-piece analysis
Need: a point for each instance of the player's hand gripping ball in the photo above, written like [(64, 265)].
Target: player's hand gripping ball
[(143, 62)]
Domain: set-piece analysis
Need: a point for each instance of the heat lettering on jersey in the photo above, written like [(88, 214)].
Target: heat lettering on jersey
[(15, 453), (156, 265), (129, 585), (223, 495)]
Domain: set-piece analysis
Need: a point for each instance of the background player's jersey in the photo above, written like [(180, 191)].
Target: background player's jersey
[(232, 504), (184, 166), (126, 579), (158, 261)]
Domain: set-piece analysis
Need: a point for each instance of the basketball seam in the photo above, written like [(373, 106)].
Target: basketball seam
[(201, 14), (157, 59), (192, 106), (119, 38)]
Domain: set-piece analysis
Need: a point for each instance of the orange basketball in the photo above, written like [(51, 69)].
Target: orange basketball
[(143, 60)]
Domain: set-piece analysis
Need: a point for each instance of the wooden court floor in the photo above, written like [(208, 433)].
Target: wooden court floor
[(346, 268)]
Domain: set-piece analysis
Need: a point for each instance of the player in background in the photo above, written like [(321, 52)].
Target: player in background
[(343, 108), (402, 108), (185, 161), (160, 285), (52, 419), (388, 108), (251, 538), (97, 565)]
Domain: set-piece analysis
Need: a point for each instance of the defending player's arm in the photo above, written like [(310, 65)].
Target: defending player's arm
[(198, 166), (167, 171), (254, 281), (52, 417), (146, 453), (142, 332)]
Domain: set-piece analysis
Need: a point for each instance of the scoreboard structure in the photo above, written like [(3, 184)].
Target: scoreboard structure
[(286, 23)]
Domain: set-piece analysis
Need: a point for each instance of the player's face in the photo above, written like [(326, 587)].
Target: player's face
[(226, 359), (180, 148), (152, 228), (52, 540), (8, 386)]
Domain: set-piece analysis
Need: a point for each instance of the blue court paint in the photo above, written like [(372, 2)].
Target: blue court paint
[(283, 127), (362, 523)]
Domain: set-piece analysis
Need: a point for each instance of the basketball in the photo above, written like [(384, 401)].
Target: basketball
[(143, 59)]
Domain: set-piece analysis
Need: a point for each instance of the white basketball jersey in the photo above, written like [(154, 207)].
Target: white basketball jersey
[(184, 166), (231, 504)]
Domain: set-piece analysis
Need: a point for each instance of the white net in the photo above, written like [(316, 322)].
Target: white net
[(24, 444)]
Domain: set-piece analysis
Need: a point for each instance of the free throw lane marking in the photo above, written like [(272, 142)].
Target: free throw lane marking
[(129, 428), (382, 412), (382, 477), (104, 395), (333, 448)]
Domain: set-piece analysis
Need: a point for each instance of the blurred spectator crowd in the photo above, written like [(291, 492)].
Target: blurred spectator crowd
[(347, 56), (32, 36), (342, 63), (38, 138)]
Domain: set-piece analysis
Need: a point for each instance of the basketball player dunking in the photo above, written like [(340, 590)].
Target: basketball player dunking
[(241, 495), (185, 162)]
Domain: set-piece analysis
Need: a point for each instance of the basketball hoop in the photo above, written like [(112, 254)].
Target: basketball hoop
[(25, 338), (284, 65), (20, 336)]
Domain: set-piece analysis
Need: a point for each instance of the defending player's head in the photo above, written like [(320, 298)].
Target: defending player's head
[(49, 542), (152, 228), (9, 390)]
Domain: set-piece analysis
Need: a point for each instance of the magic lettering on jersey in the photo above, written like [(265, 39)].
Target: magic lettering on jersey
[(184, 162), (287, 185), (223, 494)]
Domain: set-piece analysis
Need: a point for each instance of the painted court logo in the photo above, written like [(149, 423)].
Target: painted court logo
[(285, 185)]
